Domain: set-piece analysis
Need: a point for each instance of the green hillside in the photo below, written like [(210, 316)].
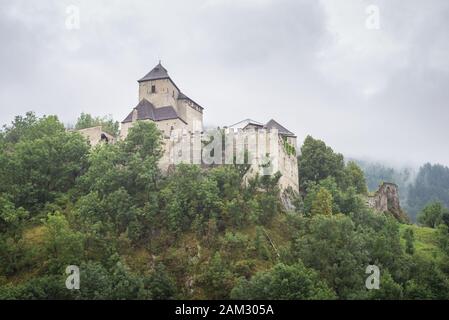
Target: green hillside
[(195, 233)]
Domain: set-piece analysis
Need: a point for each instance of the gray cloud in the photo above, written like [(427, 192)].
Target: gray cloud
[(312, 65)]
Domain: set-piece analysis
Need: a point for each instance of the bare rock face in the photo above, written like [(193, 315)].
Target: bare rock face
[(386, 199)]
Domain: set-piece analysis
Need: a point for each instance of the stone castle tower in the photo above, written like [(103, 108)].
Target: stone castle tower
[(161, 101)]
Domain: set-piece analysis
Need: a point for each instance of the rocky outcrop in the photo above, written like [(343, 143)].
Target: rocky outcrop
[(386, 199)]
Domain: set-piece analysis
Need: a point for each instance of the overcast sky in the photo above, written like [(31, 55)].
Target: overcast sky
[(318, 67)]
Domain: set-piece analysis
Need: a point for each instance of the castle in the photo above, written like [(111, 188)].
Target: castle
[(267, 147), (162, 102)]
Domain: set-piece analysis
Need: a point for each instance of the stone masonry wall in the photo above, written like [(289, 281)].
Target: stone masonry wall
[(386, 199)]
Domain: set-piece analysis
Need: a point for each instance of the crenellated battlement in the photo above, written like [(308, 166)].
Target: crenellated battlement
[(264, 151)]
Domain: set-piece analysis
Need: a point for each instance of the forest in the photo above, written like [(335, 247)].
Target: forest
[(418, 187), (196, 233)]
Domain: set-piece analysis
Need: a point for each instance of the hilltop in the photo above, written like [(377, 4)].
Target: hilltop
[(196, 233)]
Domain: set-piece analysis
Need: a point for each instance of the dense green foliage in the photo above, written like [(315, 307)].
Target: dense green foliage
[(195, 233), (433, 215), (286, 282), (107, 123), (431, 184)]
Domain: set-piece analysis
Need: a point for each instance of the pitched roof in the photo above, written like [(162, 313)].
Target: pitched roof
[(182, 96), (242, 124), (158, 72), (282, 130), (147, 111)]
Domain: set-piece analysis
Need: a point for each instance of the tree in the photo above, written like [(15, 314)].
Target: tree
[(330, 245), (144, 139), (340, 247), (161, 284), (432, 215), (189, 193), (114, 283), (428, 281), (96, 282), (217, 280), (63, 245), (107, 123), (389, 289), (409, 237), (431, 184), (38, 288), (11, 217), (355, 177), (322, 204), (131, 165), (317, 162), (283, 282), (19, 127), (443, 238), (43, 163)]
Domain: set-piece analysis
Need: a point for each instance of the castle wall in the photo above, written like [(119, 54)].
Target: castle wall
[(193, 117), (165, 126), (258, 144), (94, 135), (288, 166), (124, 129)]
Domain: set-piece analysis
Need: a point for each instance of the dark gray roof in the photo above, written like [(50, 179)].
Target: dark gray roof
[(282, 130), (147, 111), (182, 96), (158, 72)]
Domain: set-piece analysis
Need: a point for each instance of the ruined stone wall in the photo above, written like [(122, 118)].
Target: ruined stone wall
[(386, 199)]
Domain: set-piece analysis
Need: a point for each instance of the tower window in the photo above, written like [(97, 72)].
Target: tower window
[(153, 89)]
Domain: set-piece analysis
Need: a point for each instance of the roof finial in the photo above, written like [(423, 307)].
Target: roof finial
[(160, 61)]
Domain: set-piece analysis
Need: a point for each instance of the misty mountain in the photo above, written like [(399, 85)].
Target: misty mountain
[(417, 187)]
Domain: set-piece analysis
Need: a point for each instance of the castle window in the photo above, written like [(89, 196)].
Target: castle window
[(153, 89)]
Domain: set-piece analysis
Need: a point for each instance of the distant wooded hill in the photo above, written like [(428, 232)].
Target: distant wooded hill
[(417, 187)]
